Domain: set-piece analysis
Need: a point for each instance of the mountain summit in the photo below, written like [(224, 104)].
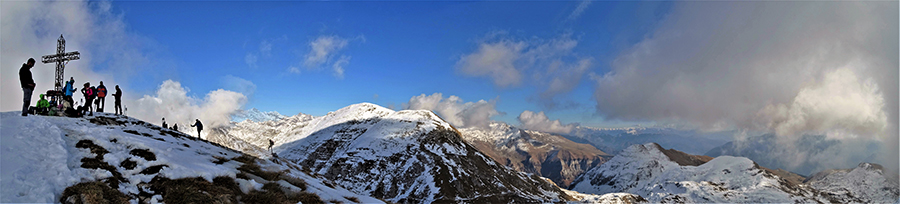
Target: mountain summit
[(410, 156)]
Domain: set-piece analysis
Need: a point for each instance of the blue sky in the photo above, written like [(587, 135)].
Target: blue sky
[(397, 49), (791, 68)]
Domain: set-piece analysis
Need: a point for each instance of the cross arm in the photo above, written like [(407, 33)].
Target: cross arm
[(61, 57)]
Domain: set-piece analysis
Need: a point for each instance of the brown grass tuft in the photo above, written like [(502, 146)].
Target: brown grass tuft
[(93, 192)]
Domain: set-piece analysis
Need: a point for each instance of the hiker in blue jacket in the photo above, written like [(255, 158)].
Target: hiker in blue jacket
[(70, 90)]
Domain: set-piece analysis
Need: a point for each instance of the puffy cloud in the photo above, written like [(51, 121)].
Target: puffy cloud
[(109, 53), (173, 103), (454, 110), (792, 68), (551, 63), (841, 105), (538, 121), (496, 60), (326, 50)]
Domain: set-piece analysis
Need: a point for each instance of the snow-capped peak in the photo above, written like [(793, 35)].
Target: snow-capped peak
[(653, 173), (256, 115), (399, 156)]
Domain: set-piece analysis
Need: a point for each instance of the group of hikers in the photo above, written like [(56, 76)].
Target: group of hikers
[(67, 106), (197, 124)]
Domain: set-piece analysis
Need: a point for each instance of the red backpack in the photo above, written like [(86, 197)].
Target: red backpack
[(101, 92)]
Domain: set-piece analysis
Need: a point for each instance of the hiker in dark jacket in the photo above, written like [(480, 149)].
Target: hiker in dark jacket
[(166, 126), (118, 96), (101, 97), (88, 98), (27, 84), (199, 127)]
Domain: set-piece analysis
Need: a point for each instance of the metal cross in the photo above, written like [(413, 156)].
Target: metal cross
[(60, 58)]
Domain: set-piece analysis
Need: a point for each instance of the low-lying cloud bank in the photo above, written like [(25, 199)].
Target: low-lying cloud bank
[(173, 103), (454, 110), (540, 122), (791, 68)]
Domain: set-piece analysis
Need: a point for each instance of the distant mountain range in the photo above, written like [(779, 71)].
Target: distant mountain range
[(666, 175), (365, 153), (613, 140)]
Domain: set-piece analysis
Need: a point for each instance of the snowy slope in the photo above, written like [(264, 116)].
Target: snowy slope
[(44, 156), (646, 171), (399, 156), (544, 154), (866, 183)]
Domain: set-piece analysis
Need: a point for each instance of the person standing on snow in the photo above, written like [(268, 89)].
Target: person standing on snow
[(88, 93), (199, 127), (166, 126), (118, 96), (27, 84), (69, 90), (101, 95)]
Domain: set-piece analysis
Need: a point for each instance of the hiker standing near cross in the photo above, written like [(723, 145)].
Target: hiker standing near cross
[(61, 57)]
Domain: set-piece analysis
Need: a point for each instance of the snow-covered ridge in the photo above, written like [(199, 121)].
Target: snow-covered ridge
[(867, 183), (646, 170), (43, 155), (256, 115), (400, 156)]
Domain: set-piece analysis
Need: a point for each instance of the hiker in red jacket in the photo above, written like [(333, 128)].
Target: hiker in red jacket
[(101, 97)]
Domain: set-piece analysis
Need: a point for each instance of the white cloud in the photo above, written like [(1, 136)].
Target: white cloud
[(30, 29), (454, 110), (251, 59), (841, 105), (553, 65), (293, 70), (324, 49), (540, 122), (238, 84), (579, 10), (496, 60), (338, 66), (791, 68), (173, 103), (265, 48)]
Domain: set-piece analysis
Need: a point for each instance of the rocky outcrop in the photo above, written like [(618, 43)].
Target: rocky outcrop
[(548, 155)]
